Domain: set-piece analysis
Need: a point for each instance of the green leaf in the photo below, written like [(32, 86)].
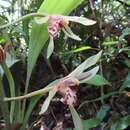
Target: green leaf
[(77, 50), (121, 124), (11, 87), (91, 123), (47, 101), (127, 62), (126, 83), (32, 104), (97, 80), (76, 119), (10, 61), (125, 122), (110, 43), (102, 112), (4, 33), (86, 64)]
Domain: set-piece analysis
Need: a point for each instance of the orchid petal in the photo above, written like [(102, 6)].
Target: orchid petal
[(70, 34), (85, 65), (50, 47), (81, 20), (88, 75), (48, 100), (42, 128), (76, 119), (42, 20)]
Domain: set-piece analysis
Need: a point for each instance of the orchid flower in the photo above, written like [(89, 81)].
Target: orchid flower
[(56, 23), (68, 86)]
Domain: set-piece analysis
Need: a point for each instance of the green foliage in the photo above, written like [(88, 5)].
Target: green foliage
[(126, 83), (77, 50), (29, 39), (102, 112), (12, 88), (91, 123), (121, 124), (98, 80)]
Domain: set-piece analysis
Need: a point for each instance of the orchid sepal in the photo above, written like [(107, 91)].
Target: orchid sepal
[(42, 20), (81, 20)]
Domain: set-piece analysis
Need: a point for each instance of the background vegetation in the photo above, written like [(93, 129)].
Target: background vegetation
[(103, 101)]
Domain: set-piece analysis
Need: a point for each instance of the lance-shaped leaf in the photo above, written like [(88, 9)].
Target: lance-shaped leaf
[(88, 75), (98, 80), (48, 100), (76, 119), (81, 20), (86, 64)]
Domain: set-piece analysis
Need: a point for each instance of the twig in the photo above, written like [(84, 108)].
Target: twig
[(100, 98)]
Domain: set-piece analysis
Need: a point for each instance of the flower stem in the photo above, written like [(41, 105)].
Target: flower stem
[(29, 95), (23, 18)]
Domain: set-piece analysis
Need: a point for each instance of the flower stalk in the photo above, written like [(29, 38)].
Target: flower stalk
[(23, 18)]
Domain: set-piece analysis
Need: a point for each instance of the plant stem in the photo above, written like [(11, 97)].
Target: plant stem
[(4, 106), (23, 18), (102, 88), (29, 95), (12, 88), (101, 70)]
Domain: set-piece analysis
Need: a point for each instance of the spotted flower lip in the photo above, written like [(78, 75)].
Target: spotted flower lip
[(57, 23), (68, 87)]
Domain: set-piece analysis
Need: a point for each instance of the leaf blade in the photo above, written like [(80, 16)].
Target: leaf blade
[(98, 80)]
